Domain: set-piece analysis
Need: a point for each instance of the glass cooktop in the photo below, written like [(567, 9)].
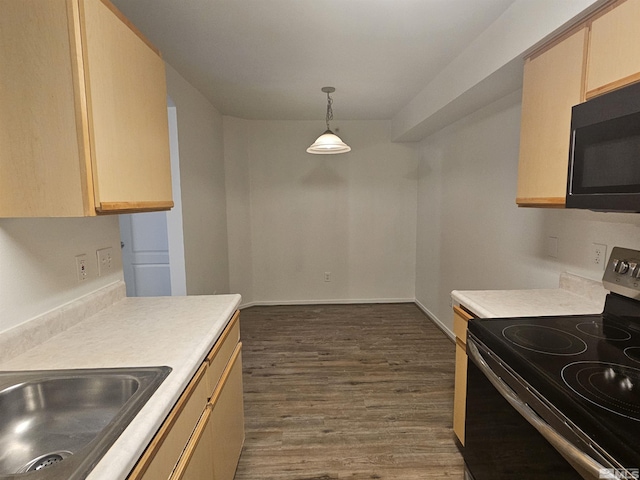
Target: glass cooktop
[(587, 366)]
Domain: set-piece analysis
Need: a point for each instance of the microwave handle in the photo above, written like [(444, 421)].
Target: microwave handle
[(569, 451)]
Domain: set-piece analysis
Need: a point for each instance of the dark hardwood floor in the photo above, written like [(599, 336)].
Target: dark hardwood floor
[(346, 392)]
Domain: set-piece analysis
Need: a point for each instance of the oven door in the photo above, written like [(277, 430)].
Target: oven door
[(506, 439)]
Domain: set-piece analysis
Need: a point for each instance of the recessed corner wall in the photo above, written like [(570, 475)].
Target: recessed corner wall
[(351, 215), (204, 212)]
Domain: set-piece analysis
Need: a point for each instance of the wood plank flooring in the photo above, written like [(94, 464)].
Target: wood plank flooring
[(346, 392)]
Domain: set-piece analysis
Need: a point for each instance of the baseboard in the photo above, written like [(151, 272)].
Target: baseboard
[(342, 301), (426, 311), (436, 321)]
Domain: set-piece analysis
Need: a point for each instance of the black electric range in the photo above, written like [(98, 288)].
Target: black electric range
[(579, 374)]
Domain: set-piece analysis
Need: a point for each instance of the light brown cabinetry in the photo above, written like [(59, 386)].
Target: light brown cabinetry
[(84, 127), (552, 84), (216, 443), (614, 48), (203, 435), (599, 55), (195, 463), (227, 416), (460, 319)]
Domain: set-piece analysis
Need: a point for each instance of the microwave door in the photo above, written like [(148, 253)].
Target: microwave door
[(604, 159)]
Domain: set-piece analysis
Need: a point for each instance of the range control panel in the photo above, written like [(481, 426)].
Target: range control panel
[(622, 274)]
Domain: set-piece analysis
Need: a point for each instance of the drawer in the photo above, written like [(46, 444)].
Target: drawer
[(221, 353), (460, 320)]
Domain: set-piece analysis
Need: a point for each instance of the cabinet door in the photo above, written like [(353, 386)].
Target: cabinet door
[(227, 419), (41, 168), (195, 463), (164, 451), (614, 49), (127, 111), (460, 320), (460, 393), (553, 83)]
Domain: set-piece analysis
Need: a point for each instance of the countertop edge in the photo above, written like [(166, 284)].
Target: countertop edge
[(574, 295), (460, 298)]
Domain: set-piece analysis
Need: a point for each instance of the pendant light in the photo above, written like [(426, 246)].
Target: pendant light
[(328, 143)]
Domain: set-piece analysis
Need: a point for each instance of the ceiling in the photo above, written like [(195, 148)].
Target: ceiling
[(268, 59)]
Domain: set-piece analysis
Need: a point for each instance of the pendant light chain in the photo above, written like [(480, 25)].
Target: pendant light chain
[(329, 110)]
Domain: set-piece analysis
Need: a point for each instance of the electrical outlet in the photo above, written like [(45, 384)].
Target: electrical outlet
[(327, 276), (599, 254), (81, 268), (105, 260)]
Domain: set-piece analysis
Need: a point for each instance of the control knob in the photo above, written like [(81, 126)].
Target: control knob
[(635, 269), (621, 267)]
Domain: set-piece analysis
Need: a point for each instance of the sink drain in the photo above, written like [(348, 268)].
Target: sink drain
[(44, 461)]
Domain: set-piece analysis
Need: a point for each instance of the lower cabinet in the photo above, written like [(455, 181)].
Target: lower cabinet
[(202, 437), (227, 422), (460, 319), (195, 462), (216, 443)]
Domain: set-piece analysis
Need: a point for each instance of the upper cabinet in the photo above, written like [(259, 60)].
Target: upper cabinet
[(553, 83), (614, 48), (600, 55), (84, 127)]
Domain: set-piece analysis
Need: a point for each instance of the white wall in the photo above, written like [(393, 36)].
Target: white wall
[(202, 177), (471, 234), (352, 215), (37, 259), (238, 188)]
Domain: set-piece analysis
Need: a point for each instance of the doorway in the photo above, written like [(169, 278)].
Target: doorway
[(153, 243)]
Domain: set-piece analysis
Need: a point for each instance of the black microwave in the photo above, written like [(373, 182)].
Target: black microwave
[(604, 154)]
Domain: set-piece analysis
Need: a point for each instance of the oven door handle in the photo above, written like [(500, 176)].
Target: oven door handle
[(570, 452)]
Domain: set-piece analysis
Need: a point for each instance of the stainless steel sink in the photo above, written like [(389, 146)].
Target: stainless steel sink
[(57, 424)]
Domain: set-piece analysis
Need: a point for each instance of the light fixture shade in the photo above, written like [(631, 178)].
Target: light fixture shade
[(328, 144)]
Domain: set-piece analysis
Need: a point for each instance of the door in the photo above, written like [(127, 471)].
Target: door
[(145, 254)]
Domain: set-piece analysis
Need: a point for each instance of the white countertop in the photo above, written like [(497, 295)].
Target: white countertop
[(173, 331), (574, 296)]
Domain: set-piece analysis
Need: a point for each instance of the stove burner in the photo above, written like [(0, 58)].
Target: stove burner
[(541, 339), (633, 353), (610, 386), (600, 330)]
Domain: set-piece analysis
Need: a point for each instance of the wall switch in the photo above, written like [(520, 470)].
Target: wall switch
[(105, 260), (81, 268), (327, 276), (599, 254)]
